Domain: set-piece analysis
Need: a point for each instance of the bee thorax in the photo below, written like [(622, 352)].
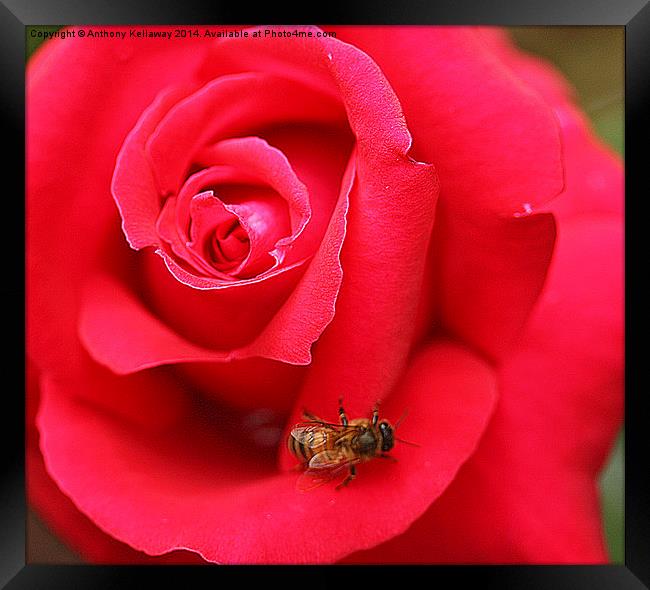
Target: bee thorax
[(366, 443)]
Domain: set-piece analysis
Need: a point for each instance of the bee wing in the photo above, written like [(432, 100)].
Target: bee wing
[(309, 435), (314, 434), (328, 459), (323, 467)]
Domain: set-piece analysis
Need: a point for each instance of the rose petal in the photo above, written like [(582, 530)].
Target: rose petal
[(494, 142), (62, 516), (288, 336), (69, 171), (222, 319), (334, 67), (79, 532), (319, 155), (144, 341), (134, 188), (196, 487), (492, 271), (168, 229), (269, 165), (260, 161), (216, 231), (263, 223), (175, 216), (176, 219), (496, 149), (189, 126), (529, 494), (217, 319), (240, 237), (589, 163)]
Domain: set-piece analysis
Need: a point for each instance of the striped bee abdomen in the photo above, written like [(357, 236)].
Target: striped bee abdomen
[(307, 441)]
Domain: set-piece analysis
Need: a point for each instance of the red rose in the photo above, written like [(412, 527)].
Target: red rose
[(278, 194)]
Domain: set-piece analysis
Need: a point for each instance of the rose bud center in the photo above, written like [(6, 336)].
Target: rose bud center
[(229, 245), (234, 228)]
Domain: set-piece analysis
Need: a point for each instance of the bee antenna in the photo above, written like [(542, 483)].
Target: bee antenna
[(406, 442), (401, 418)]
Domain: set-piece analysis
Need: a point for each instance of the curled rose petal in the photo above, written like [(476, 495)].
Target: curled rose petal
[(495, 142), (221, 318), (136, 486), (234, 98), (496, 148), (231, 198)]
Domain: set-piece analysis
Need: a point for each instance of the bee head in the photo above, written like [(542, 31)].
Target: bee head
[(386, 431)]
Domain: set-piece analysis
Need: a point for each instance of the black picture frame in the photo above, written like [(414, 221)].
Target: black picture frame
[(634, 15)]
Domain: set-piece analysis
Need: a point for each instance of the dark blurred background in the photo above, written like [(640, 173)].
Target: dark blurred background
[(592, 58)]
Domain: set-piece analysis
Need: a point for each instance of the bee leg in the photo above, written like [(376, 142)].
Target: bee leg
[(385, 456), (342, 416), (349, 478)]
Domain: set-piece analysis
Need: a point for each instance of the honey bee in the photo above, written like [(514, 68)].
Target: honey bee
[(325, 449)]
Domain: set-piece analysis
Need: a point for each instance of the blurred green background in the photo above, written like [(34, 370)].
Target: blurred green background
[(592, 58)]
